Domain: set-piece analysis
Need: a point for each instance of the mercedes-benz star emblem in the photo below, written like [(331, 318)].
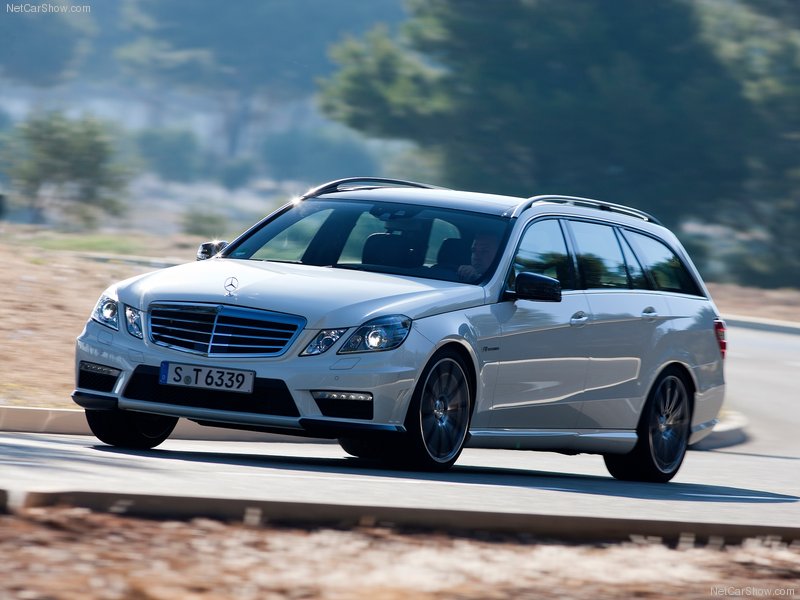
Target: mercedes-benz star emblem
[(231, 285)]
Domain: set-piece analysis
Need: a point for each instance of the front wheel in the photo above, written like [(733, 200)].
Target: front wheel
[(663, 434), (438, 417), (127, 429)]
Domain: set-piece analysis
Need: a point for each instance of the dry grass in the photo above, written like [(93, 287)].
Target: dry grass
[(47, 296)]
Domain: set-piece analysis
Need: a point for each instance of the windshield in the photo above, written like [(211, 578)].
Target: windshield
[(400, 239)]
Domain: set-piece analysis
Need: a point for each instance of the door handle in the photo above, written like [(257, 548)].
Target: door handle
[(650, 313), (579, 319)]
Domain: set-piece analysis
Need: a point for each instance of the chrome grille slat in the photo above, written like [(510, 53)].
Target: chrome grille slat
[(220, 340), (236, 328), (192, 331), (250, 327), (188, 322), (222, 347), (175, 338), (240, 340), (222, 330)]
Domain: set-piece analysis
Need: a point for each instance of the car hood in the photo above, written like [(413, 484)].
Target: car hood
[(325, 296)]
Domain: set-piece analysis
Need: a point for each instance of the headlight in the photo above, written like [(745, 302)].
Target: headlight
[(383, 333), (133, 320), (323, 340), (106, 312)]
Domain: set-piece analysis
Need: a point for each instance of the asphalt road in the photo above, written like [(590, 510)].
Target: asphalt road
[(762, 374), (757, 482)]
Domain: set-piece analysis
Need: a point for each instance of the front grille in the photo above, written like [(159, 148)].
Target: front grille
[(269, 397), (221, 330)]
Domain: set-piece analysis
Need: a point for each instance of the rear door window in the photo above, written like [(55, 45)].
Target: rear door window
[(600, 258)]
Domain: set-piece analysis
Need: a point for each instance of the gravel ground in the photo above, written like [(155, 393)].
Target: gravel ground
[(74, 554)]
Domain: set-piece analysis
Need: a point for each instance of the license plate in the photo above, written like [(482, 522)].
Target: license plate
[(210, 378)]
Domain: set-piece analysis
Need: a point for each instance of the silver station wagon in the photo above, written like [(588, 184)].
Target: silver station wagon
[(407, 321)]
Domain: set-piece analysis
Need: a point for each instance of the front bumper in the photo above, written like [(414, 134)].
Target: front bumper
[(281, 400)]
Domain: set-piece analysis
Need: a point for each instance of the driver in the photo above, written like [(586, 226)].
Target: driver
[(484, 248)]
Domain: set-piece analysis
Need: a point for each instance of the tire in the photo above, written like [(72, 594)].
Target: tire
[(438, 418), (127, 429), (663, 433)]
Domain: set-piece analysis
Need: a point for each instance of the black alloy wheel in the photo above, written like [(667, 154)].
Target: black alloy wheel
[(439, 415), (663, 433)]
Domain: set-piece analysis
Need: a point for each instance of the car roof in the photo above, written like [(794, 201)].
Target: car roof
[(411, 192)]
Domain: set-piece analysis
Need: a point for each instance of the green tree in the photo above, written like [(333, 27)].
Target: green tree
[(759, 43), (65, 168), (619, 100)]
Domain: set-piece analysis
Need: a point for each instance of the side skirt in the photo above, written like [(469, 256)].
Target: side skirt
[(591, 441)]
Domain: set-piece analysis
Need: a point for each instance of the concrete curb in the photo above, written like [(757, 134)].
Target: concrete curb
[(770, 325), (559, 527), (65, 421), (43, 420), (730, 431)]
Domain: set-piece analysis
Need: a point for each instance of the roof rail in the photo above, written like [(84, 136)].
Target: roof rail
[(590, 203), (352, 183)]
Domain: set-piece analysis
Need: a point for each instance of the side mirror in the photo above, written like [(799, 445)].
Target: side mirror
[(532, 286), (209, 249)]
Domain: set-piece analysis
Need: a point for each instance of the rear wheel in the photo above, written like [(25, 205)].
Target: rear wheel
[(128, 429), (663, 434), (438, 417)]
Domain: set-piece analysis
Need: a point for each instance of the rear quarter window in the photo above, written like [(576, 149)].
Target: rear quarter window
[(666, 269)]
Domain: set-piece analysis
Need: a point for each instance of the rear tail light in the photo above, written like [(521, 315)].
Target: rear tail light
[(719, 331)]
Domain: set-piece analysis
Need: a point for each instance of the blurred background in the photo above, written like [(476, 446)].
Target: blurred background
[(198, 117)]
